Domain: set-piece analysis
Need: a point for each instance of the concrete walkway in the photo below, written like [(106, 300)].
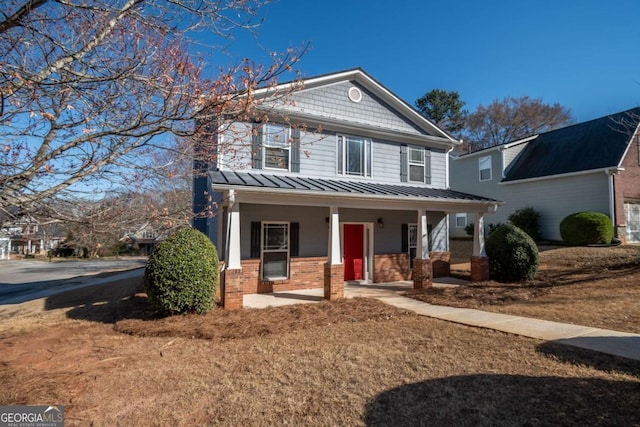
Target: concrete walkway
[(616, 343)]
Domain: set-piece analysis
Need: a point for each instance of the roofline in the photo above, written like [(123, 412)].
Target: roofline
[(351, 196), (606, 170), (500, 147), (369, 82), (626, 150)]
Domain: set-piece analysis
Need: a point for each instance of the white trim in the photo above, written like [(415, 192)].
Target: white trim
[(563, 175), (409, 163), (264, 144)]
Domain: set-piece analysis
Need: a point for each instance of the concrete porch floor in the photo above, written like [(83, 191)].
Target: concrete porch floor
[(351, 290)]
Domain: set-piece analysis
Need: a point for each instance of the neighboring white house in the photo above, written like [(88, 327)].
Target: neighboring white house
[(345, 181), (590, 166)]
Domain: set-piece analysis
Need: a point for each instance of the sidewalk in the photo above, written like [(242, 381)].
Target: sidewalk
[(616, 343)]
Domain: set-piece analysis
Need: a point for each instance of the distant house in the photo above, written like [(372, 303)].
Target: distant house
[(145, 238), (343, 181), (590, 166), (22, 234)]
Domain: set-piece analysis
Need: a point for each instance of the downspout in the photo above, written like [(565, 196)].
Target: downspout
[(611, 173)]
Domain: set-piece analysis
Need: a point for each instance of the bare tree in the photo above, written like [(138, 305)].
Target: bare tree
[(89, 90), (511, 119)]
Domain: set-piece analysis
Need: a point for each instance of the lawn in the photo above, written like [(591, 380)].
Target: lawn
[(591, 286), (109, 361)]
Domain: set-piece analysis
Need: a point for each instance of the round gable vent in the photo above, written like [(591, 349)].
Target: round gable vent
[(354, 94)]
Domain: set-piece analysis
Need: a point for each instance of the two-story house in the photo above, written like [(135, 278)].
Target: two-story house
[(342, 181), (589, 166)]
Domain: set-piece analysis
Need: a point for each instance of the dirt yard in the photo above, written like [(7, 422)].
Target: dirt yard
[(103, 355), (591, 286)]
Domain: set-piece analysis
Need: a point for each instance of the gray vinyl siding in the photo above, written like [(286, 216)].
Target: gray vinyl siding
[(314, 229), (511, 153), (553, 199), (318, 156), (332, 103)]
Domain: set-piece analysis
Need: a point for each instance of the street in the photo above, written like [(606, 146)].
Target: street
[(24, 280)]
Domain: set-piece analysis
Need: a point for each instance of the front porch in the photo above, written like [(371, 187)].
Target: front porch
[(351, 290)]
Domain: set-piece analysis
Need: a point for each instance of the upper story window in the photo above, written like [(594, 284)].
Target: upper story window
[(149, 234), (484, 164), (354, 156), (415, 164), (277, 147)]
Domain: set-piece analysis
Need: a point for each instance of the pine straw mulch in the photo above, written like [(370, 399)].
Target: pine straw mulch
[(593, 286), (222, 325)]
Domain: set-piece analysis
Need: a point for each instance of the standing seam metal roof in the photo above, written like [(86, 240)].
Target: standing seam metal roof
[(332, 186)]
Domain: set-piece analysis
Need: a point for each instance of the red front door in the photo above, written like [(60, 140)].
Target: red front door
[(353, 251)]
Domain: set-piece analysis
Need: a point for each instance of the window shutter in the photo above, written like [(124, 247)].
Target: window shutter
[(404, 163), (294, 238), (368, 157), (255, 239), (405, 238), (256, 147), (295, 150), (427, 166)]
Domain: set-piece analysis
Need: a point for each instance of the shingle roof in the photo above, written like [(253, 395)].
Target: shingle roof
[(333, 186), (596, 144)]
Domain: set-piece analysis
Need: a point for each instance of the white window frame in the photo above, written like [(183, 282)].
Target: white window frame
[(414, 163), (267, 143), (263, 250), (462, 216), (341, 156), (482, 160)]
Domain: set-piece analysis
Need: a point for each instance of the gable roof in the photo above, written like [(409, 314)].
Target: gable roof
[(597, 144), (370, 85)]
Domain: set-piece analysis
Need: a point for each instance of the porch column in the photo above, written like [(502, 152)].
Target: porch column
[(479, 259), (233, 272), (422, 269), (334, 269)]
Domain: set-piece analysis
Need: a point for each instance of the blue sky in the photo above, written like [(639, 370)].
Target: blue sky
[(582, 54)]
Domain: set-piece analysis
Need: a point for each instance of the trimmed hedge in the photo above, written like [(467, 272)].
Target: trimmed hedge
[(586, 228), (182, 274), (513, 255)]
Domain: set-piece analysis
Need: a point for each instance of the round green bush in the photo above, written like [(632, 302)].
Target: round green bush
[(586, 228), (182, 274), (513, 255)]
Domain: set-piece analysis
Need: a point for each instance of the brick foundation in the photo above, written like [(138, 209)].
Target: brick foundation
[(333, 281), (395, 267), (440, 263), (479, 268), (422, 273), (305, 273), (232, 289), (391, 268)]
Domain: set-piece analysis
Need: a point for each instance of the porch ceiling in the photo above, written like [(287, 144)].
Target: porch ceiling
[(260, 184)]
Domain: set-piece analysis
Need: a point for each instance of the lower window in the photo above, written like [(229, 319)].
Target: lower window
[(275, 250)]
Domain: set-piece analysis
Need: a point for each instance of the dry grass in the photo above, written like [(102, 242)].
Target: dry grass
[(102, 354), (592, 286)]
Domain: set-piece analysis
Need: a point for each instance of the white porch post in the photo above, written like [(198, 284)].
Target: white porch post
[(233, 234), (333, 269), (333, 256), (232, 288), (478, 235), (422, 268), (422, 244), (479, 259)]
